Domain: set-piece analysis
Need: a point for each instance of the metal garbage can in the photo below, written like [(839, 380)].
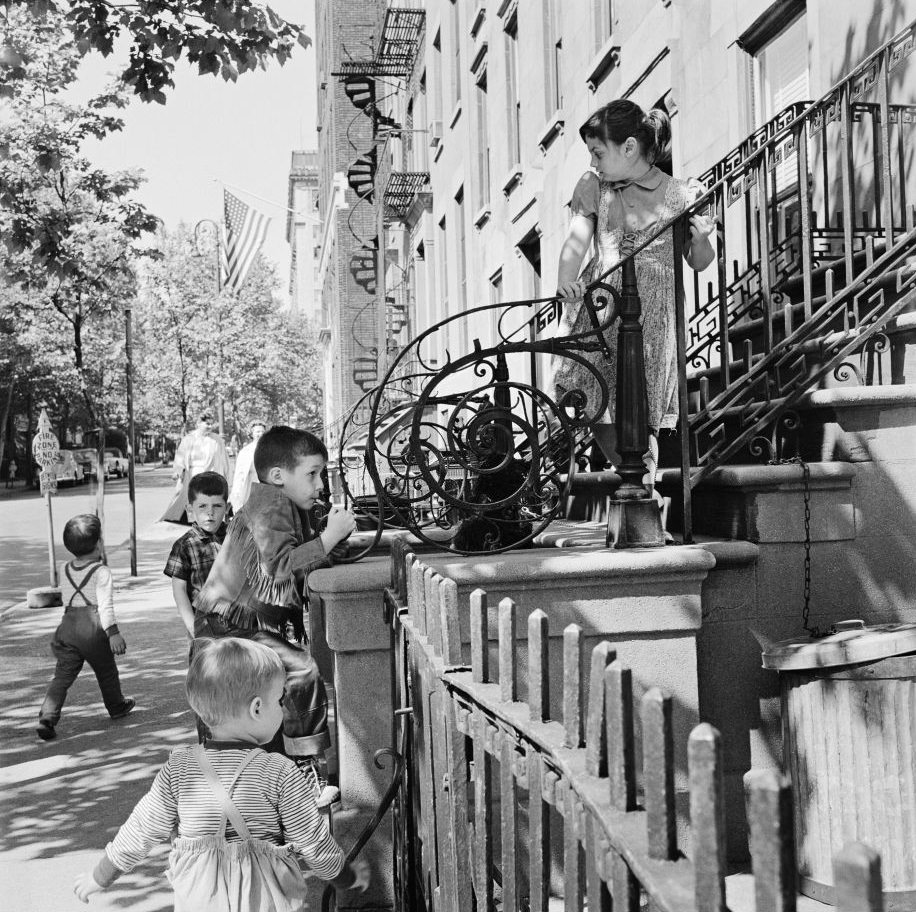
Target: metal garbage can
[(849, 747)]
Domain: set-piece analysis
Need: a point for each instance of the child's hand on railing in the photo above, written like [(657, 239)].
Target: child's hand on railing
[(701, 227), (571, 291)]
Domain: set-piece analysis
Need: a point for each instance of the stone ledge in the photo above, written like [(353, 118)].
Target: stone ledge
[(903, 395), (823, 475)]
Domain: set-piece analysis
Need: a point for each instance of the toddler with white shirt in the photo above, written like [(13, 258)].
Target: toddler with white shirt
[(89, 630)]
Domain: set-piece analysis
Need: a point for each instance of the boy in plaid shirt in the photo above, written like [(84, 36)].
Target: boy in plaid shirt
[(193, 554)]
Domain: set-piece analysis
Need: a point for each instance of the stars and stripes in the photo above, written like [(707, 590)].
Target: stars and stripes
[(246, 229)]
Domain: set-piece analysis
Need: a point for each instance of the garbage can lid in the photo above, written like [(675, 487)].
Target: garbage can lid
[(852, 643)]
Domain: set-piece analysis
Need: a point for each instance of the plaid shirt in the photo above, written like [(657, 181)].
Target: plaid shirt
[(193, 555)]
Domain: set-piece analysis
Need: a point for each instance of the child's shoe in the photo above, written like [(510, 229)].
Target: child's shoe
[(45, 730), (124, 709)]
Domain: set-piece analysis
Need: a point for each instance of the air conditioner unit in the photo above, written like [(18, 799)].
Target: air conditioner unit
[(435, 133)]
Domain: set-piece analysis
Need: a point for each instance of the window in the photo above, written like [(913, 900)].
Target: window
[(514, 103), (553, 54), (483, 139), (603, 17), (456, 53), (437, 77), (462, 271), (496, 297), (780, 77)]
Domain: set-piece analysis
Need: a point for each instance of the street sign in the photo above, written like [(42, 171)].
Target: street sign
[(45, 447), (46, 451)]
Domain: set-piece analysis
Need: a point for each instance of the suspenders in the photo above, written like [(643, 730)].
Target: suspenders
[(78, 589)]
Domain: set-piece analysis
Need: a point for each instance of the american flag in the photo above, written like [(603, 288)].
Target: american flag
[(246, 229)]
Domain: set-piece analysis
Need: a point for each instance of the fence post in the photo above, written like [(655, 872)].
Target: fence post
[(857, 879), (483, 815), (572, 685), (508, 800), (434, 614), (538, 669), (448, 613), (508, 686), (458, 805), (772, 844), (658, 774), (428, 574), (596, 717), (480, 638), (707, 817), (621, 761), (538, 835)]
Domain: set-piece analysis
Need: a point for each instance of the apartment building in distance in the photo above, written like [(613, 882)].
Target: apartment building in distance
[(303, 234)]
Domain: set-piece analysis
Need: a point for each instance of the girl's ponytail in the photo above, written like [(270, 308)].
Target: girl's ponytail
[(656, 137)]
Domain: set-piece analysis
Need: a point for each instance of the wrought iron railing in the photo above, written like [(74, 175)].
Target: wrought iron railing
[(488, 766), (815, 225)]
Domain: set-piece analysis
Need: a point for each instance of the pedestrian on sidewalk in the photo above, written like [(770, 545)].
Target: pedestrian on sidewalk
[(242, 815), (199, 451), (255, 588), (245, 474), (11, 470), (89, 630)]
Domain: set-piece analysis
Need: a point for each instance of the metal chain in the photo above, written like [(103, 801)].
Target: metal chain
[(814, 631)]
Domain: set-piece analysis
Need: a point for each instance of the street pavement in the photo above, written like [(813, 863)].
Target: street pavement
[(63, 800)]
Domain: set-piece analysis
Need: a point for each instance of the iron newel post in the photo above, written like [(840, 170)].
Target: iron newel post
[(633, 515)]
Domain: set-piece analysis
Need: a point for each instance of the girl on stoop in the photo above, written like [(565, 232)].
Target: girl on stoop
[(243, 816), (618, 205)]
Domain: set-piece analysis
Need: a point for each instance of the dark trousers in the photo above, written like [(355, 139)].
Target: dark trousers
[(305, 709), (80, 638)]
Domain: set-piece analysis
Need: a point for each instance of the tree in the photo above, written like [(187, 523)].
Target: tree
[(221, 37), (68, 228), (195, 346)]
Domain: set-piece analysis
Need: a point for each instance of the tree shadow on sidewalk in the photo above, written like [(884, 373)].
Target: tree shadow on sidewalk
[(70, 795)]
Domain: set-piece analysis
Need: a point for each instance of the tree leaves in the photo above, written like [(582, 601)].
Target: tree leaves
[(220, 37)]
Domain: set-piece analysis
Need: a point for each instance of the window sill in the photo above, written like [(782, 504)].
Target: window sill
[(482, 216), (602, 63), (553, 129), (513, 179), (455, 115)]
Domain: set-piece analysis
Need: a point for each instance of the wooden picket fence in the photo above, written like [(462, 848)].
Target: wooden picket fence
[(484, 769)]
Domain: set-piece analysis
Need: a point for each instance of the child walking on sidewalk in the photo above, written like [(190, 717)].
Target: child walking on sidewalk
[(243, 815), (89, 631)]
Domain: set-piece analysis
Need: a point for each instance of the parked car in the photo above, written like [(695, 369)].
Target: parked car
[(115, 462), (88, 458), (68, 470)]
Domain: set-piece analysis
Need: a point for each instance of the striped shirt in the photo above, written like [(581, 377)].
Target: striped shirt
[(99, 591), (272, 795)]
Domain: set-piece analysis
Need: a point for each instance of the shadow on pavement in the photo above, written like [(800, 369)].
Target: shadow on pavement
[(65, 799)]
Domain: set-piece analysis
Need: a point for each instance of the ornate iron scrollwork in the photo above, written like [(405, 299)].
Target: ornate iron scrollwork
[(460, 451)]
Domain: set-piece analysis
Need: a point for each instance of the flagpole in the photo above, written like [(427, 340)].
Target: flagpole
[(296, 212)]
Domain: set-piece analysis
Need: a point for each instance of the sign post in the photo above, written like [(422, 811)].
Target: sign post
[(46, 450)]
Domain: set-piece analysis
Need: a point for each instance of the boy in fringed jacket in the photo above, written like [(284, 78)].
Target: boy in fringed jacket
[(255, 587)]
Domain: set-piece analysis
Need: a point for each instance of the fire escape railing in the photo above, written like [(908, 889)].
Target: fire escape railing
[(814, 245)]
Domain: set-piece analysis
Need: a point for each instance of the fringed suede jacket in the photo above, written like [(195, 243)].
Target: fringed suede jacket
[(259, 574)]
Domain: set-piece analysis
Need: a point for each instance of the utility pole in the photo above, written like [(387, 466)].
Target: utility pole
[(131, 481)]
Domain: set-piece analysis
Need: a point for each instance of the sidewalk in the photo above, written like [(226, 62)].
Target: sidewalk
[(64, 799)]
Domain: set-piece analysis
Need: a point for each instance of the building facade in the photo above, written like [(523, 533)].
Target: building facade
[(479, 150), (303, 234)]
